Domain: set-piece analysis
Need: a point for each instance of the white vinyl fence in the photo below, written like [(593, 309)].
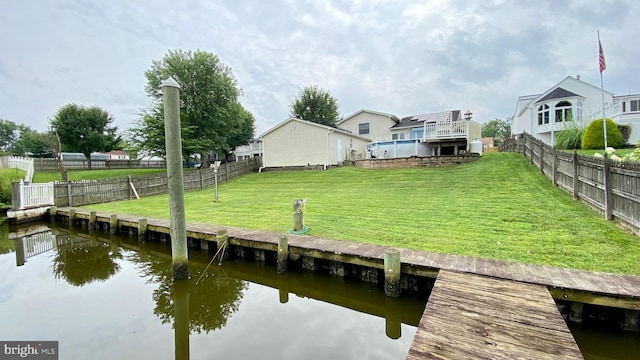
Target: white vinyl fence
[(27, 196)]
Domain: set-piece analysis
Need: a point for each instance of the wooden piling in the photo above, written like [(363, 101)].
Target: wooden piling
[(173, 145), (19, 247), (392, 272), (142, 230), (72, 217), (298, 214), (92, 220), (113, 224), (575, 312), (283, 254), (222, 239)]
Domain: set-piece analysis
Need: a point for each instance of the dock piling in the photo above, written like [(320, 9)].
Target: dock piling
[(142, 230), (392, 272), (92, 220), (283, 254), (113, 224)]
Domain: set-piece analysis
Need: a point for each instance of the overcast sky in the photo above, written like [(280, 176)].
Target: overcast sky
[(396, 56)]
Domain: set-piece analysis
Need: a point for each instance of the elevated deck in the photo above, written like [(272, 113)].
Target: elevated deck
[(477, 317)]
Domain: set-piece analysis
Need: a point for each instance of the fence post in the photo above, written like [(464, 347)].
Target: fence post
[(554, 169), (575, 175), (130, 190), (21, 197), (541, 157), (69, 198), (607, 187)]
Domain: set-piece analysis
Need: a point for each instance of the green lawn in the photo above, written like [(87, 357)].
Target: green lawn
[(75, 175), (499, 207)]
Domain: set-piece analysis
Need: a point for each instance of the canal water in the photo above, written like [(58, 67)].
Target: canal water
[(109, 297)]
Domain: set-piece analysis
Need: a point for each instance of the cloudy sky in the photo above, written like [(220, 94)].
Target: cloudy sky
[(397, 56)]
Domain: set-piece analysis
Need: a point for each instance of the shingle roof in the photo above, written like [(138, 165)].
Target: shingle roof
[(419, 120), (557, 93)]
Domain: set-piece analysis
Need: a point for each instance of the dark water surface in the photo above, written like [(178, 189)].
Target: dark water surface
[(108, 297)]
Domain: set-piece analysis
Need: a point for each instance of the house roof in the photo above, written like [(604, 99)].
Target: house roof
[(418, 120), (115, 152), (557, 93), (391, 116), (328, 128)]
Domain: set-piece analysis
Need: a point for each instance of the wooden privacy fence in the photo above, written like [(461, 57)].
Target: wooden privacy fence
[(47, 164), (79, 193), (611, 187)]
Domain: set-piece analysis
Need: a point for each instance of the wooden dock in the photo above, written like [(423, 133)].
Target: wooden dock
[(477, 317)]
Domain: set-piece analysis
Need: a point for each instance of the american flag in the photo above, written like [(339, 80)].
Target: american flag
[(603, 64)]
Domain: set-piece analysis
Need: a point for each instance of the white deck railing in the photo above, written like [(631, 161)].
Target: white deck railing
[(27, 196), (445, 130)]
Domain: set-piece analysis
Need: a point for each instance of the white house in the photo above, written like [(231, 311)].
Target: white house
[(573, 100), (296, 142)]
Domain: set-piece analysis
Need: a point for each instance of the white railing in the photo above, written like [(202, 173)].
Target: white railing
[(22, 163), (38, 243), (26, 196), (445, 130)]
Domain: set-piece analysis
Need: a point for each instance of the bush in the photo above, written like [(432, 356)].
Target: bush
[(7, 176), (593, 138), (571, 137), (625, 131)]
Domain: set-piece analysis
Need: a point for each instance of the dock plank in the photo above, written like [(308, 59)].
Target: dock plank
[(473, 317)]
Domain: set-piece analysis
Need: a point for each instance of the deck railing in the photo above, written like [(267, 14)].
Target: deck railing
[(445, 130), (27, 196)]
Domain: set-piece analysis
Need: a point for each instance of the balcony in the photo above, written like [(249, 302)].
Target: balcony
[(445, 130)]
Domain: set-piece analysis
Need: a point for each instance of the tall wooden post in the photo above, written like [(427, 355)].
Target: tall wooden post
[(173, 143), (554, 170), (298, 214), (142, 230), (19, 247), (92, 220), (283, 254), (392, 272), (113, 224)]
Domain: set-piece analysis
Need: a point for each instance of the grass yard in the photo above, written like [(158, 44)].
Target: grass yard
[(499, 207), (75, 175)]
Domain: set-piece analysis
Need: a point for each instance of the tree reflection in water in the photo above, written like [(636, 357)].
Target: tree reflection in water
[(211, 302), (81, 263)]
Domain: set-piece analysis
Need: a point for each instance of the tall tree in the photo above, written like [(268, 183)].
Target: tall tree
[(31, 143), (85, 129), (8, 134), (210, 114), (496, 128), (317, 105)]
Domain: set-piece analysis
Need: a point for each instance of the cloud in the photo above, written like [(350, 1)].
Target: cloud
[(399, 57)]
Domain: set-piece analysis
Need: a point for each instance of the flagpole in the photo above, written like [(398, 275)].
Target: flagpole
[(601, 62)]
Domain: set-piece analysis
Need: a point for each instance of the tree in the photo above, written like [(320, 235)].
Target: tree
[(210, 114), (85, 129), (496, 128), (32, 143), (316, 105), (8, 130)]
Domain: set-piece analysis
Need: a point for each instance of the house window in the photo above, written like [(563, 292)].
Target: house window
[(363, 128), (394, 136), (634, 105), (543, 114), (416, 133), (563, 111), (624, 106), (579, 111)]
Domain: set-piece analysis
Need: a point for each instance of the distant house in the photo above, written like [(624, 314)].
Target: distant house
[(296, 142), (116, 155), (572, 101), (369, 124), (252, 149)]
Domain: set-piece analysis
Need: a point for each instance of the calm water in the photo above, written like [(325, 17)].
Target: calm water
[(101, 299)]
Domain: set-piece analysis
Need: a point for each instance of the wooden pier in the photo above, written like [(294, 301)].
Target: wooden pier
[(477, 317), (497, 309)]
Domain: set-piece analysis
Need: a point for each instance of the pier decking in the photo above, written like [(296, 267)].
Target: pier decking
[(477, 317)]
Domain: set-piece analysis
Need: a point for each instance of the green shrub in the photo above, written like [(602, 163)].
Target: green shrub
[(625, 131), (571, 137), (7, 176), (593, 138)]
